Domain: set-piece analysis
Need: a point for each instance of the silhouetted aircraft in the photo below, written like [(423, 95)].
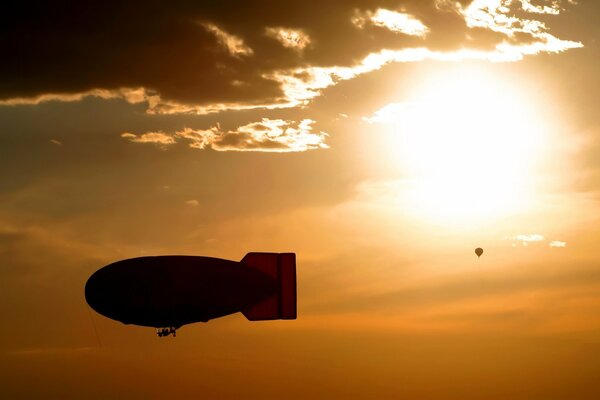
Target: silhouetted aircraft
[(167, 292)]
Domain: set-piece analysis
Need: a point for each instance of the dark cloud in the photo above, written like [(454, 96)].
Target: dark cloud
[(207, 55)]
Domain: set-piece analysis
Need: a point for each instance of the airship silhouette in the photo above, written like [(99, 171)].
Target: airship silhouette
[(167, 292)]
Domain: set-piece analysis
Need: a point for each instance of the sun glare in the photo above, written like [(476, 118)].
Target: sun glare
[(467, 146)]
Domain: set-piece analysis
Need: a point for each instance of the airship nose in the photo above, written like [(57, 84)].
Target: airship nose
[(94, 287)]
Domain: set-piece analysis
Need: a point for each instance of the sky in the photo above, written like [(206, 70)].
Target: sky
[(381, 141)]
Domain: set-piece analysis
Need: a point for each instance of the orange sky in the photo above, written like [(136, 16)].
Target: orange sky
[(381, 141)]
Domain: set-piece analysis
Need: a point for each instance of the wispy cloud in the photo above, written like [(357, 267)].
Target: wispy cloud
[(393, 20), (496, 16), (272, 135), (267, 135), (534, 237), (557, 243), (553, 8), (131, 95), (160, 139), (290, 38), (233, 44)]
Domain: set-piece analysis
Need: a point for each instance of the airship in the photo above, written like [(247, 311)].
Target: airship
[(167, 292)]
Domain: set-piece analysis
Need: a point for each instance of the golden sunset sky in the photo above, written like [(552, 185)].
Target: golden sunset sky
[(381, 141)]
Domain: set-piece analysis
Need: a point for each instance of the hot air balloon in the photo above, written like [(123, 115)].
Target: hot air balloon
[(479, 252)]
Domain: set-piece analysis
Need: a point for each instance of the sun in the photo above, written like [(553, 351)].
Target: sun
[(466, 145)]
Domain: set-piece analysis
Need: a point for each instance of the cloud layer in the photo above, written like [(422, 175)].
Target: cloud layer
[(200, 58)]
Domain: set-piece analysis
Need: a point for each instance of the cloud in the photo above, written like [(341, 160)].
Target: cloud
[(158, 138), (535, 237), (290, 38), (193, 203), (274, 135), (171, 57), (56, 142), (267, 135), (553, 8), (131, 95), (394, 21), (557, 243), (528, 239), (496, 15), (234, 45), (300, 85)]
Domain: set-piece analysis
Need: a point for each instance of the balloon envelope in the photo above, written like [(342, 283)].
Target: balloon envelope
[(479, 251)]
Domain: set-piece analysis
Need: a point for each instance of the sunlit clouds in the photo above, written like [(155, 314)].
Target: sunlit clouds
[(552, 8), (160, 139), (395, 21), (192, 203), (271, 135), (267, 135), (131, 95), (200, 138), (233, 44), (238, 75), (534, 237), (557, 243), (527, 240), (496, 16), (290, 38)]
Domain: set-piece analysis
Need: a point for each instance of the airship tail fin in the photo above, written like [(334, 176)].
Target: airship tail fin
[(281, 267)]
